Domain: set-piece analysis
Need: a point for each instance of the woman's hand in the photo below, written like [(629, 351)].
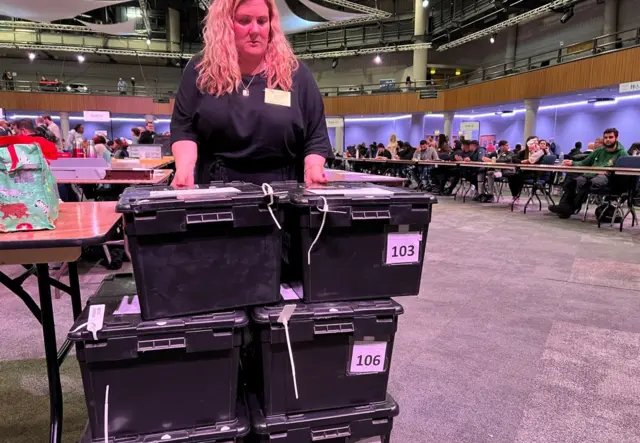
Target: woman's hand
[(314, 175), (183, 179)]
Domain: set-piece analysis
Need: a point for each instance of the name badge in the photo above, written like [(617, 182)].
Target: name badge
[(276, 97)]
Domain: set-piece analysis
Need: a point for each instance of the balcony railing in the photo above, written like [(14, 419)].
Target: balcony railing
[(426, 88)]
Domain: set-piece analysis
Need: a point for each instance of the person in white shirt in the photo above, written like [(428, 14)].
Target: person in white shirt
[(75, 133), (122, 86), (55, 130)]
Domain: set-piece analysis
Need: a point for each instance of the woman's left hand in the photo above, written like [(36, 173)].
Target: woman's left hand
[(314, 175)]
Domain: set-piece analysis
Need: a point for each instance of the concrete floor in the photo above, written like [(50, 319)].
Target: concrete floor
[(526, 330)]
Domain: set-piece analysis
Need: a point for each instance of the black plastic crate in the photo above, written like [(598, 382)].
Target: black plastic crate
[(166, 375), (214, 248), (369, 245), (364, 424), (232, 431), (341, 351)]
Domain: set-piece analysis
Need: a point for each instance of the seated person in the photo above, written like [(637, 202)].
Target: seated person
[(472, 175), (634, 150), (120, 149), (382, 153), (575, 151), (578, 186), (458, 154), (532, 154), (405, 151), (502, 155), (545, 147), (423, 152)]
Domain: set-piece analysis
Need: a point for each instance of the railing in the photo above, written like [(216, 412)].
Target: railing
[(426, 88), (589, 48)]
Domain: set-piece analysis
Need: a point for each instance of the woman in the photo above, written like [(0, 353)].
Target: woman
[(443, 145), (75, 133), (392, 146), (101, 148), (246, 108)]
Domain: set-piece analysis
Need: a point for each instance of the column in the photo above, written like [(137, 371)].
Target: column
[(448, 124), (610, 22), (530, 117), (339, 147), (417, 128), (173, 30), (149, 118), (419, 71), (512, 41), (64, 125)]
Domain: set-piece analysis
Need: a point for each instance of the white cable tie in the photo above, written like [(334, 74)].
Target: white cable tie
[(268, 191), (106, 414), (293, 366), (324, 209), (83, 325)]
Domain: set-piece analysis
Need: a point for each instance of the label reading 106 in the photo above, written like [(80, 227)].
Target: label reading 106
[(368, 357), (403, 247)]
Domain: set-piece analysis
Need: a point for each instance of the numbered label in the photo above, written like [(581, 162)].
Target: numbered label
[(403, 247), (368, 357)]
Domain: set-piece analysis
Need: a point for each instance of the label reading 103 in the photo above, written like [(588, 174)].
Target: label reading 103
[(368, 357), (403, 247)]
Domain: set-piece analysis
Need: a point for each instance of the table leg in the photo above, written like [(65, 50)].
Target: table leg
[(15, 286), (50, 349), (74, 284)]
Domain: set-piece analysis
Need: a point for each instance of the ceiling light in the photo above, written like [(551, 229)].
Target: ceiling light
[(493, 38), (32, 56), (81, 58), (148, 42), (567, 15), (377, 60), (432, 71), (458, 72), (425, 3)]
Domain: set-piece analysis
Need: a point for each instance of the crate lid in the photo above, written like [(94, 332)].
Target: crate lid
[(282, 423), (355, 193), (122, 319), (313, 311), (140, 199)]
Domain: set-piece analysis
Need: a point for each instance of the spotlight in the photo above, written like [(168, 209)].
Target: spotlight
[(148, 42), (80, 58), (493, 38), (334, 63), (458, 72), (425, 3), (567, 15), (377, 60), (32, 56), (432, 71)]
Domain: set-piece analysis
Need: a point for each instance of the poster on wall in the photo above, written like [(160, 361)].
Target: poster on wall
[(335, 122), (487, 140), (96, 116), (470, 130)]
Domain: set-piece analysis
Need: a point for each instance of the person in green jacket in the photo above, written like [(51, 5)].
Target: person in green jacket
[(578, 186)]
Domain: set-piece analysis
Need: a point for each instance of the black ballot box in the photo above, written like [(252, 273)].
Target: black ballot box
[(355, 241), (202, 250)]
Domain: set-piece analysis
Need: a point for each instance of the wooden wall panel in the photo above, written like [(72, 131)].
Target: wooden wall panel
[(595, 72)]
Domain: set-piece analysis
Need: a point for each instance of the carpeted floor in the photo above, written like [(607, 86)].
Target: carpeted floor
[(525, 331)]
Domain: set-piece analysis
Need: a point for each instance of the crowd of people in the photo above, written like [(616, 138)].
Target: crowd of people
[(443, 180)]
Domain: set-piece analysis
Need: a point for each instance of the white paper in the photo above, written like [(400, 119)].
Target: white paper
[(193, 192), (128, 305), (351, 191), (96, 319), (403, 248), (368, 357)]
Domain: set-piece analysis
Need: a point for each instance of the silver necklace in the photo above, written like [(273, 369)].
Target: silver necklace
[(245, 91)]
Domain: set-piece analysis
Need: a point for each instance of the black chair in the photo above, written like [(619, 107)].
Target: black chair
[(540, 182), (621, 189)]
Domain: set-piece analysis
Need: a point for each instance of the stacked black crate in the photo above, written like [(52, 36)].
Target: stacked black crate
[(160, 359), (318, 368)]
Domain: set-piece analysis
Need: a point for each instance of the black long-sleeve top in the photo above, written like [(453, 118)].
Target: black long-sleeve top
[(247, 134)]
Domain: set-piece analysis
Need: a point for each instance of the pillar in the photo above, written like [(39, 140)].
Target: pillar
[(419, 71), (417, 128), (65, 126), (173, 30), (530, 117), (149, 118), (448, 124), (610, 22), (339, 147), (512, 41)]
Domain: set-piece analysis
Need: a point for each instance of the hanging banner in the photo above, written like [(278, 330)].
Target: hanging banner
[(97, 116), (335, 122)]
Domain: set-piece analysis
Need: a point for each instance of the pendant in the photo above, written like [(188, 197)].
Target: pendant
[(245, 93)]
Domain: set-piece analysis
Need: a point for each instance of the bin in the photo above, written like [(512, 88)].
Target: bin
[(341, 351), (370, 244), (208, 249), (164, 375), (365, 424), (232, 431)]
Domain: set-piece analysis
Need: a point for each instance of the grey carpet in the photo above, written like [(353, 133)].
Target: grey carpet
[(526, 330)]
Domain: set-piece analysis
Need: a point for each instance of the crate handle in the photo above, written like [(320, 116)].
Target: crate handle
[(162, 344), (211, 217), (330, 433), (333, 328), (370, 215)]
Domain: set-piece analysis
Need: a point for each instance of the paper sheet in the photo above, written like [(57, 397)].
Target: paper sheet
[(194, 192), (128, 305), (289, 293)]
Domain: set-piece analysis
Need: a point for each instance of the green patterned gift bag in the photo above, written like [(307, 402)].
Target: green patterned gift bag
[(28, 191)]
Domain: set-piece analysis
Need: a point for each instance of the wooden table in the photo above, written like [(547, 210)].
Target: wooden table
[(78, 225), (159, 176), (334, 175), (142, 163)]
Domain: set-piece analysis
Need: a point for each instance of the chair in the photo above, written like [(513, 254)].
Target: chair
[(541, 181), (621, 189)]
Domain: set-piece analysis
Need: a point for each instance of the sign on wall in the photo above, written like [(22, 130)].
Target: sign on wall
[(469, 126), (335, 122), (96, 116), (629, 87)]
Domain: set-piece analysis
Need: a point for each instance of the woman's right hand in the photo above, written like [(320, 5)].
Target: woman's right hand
[(183, 179)]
